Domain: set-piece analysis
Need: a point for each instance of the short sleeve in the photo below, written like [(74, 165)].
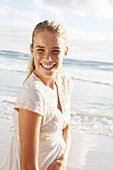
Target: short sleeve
[(30, 99)]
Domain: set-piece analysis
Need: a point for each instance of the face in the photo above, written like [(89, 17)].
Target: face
[(48, 51)]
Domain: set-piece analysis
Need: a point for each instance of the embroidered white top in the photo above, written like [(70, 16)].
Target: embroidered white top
[(39, 98)]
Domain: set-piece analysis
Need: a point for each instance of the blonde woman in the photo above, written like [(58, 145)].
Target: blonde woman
[(41, 138)]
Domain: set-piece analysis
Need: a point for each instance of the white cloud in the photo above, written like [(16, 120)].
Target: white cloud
[(16, 29), (25, 15), (49, 7), (4, 10), (82, 8), (28, 15), (90, 46), (96, 8), (15, 35)]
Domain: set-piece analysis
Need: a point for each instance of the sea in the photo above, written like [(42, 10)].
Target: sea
[(92, 95)]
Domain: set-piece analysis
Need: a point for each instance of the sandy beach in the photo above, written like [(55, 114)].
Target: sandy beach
[(88, 152)]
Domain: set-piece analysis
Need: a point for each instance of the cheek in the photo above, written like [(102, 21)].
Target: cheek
[(58, 58), (37, 57), (36, 60)]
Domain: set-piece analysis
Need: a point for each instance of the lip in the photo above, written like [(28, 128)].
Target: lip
[(48, 66)]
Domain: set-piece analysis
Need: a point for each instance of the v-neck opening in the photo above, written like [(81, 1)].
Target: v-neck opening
[(58, 94), (59, 100)]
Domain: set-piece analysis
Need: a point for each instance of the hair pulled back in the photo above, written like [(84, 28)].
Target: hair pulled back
[(47, 25)]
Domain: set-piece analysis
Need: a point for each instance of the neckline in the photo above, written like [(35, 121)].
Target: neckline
[(58, 93), (42, 81), (59, 106)]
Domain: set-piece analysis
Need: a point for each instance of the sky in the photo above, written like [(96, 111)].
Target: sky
[(89, 25)]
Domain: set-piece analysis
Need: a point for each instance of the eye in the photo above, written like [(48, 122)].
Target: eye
[(56, 51), (41, 50)]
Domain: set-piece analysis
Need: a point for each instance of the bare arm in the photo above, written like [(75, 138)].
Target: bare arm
[(67, 139), (29, 129)]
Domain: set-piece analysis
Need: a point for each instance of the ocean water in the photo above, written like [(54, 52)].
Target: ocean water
[(92, 96)]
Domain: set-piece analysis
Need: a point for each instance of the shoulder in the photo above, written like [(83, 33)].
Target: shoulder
[(65, 76), (31, 96), (66, 80), (33, 85)]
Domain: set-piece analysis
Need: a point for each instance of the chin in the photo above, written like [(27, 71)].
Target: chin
[(49, 75)]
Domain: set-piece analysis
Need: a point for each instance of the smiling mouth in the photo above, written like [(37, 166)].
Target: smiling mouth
[(48, 67)]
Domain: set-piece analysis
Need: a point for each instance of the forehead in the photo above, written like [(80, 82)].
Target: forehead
[(46, 38)]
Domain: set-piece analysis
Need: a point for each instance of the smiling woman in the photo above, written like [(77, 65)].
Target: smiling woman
[(48, 52), (42, 122)]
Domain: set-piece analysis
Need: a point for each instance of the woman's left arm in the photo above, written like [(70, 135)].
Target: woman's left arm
[(61, 163), (67, 139)]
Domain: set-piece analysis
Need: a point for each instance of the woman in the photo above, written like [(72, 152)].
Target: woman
[(41, 138)]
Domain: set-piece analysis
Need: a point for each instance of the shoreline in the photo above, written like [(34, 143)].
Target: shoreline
[(88, 151)]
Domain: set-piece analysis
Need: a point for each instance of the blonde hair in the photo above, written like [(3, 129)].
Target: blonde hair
[(47, 25)]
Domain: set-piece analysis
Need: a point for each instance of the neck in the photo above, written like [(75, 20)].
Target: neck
[(47, 81)]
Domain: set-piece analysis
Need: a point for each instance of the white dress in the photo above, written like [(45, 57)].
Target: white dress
[(37, 97)]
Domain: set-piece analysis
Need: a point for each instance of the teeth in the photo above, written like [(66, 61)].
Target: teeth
[(47, 66)]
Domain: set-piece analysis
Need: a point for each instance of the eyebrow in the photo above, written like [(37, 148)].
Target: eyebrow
[(38, 46), (56, 48)]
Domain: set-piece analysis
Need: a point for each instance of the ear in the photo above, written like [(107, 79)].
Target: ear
[(66, 51), (31, 49)]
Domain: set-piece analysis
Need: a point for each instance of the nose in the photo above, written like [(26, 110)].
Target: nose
[(48, 56)]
